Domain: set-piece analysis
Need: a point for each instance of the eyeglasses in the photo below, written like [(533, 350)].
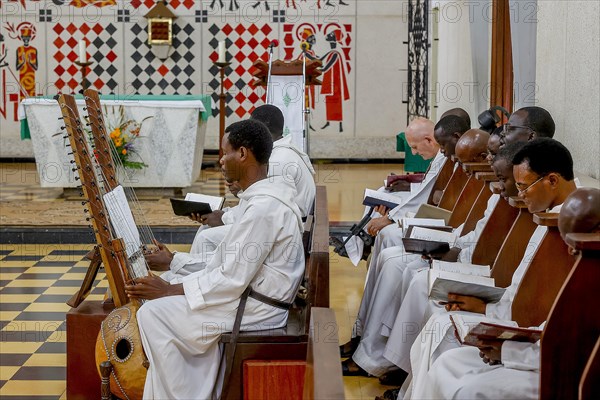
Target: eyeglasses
[(507, 128), (522, 191)]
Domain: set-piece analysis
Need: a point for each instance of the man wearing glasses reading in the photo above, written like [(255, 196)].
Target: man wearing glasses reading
[(526, 124)]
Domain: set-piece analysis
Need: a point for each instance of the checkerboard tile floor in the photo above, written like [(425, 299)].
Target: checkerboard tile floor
[(35, 283)]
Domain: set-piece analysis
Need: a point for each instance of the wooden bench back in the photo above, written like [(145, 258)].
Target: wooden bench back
[(589, 386), (442, 179), (465, 201), (479, 206), (317, 267), (323, 373), (573, 326), (494, 233), (544, 277), (514, 246), (453, 189)]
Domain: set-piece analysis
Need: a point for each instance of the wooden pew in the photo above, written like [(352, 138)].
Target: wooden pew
[(544, 277), (442, 179), (514, 245), (285, 346), (494, 233), (589, 387), (323, 374), (573, 326), (480, 204), (453, 189), (465, 201)]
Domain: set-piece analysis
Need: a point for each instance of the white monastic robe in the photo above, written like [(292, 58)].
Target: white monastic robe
[(405, 325), (294, 165), (180, 334), (436, 337), (391, 235), (461, 374), (287, 161), (387, 302)]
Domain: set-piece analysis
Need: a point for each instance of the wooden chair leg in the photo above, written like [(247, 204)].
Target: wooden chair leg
[(105, 371)]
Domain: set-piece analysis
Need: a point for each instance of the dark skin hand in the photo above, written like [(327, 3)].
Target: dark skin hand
[(152, 287), (490, 351), (457, 302), (212, 219), (399, 186), (159, 259), (452, 255)]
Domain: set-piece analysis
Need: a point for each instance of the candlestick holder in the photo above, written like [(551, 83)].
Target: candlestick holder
[(222, 97), (85, 84)]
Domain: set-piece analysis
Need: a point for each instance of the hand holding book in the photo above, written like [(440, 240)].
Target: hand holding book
[(457, 302)]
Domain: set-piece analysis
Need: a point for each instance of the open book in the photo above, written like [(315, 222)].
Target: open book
[(407, 222), (374, 198), (196, 203), (471, 330), (432, 241), (461, 268), (441, 283), (429, 211)]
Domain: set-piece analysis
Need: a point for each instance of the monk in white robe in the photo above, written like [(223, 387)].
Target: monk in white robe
[(286, 161), (543, 171), (394, 274), (419, 135), (180, 329), (460, 373), (416, 307)]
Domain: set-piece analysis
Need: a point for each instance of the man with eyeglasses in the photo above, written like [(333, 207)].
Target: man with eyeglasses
[(526, 124), (460, 373), (543, 172)]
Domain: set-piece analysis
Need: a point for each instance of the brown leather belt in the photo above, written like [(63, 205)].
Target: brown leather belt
[(235, 332)]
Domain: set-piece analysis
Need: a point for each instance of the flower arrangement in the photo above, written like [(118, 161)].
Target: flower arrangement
[(123, 135)]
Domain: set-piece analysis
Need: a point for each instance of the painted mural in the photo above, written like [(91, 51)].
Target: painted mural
[(39, 47)]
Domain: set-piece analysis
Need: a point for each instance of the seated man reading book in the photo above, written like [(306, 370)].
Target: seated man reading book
[(483, 372), (286, 161), (543, 171), (181, 325), (383, 291)]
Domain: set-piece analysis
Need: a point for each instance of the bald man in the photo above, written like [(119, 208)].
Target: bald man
[(393, 280), (508, 370), (472, 146), (419, 135)]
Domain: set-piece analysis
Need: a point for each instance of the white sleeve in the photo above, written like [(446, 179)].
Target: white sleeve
[(520, 355), (185, 261), (220, 285), (227, 217)]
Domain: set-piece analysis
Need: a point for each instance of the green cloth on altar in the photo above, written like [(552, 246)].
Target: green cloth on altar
[(412, 163), (205, 98)]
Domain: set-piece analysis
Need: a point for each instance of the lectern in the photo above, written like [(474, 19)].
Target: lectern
[(288, 92)]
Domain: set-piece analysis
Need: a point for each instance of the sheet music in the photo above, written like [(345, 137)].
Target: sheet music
[(432, 235), (122, 220), (461, 268), (408, 221)]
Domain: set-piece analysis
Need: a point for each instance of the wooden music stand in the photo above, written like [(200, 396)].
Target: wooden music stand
[(311, 71)]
